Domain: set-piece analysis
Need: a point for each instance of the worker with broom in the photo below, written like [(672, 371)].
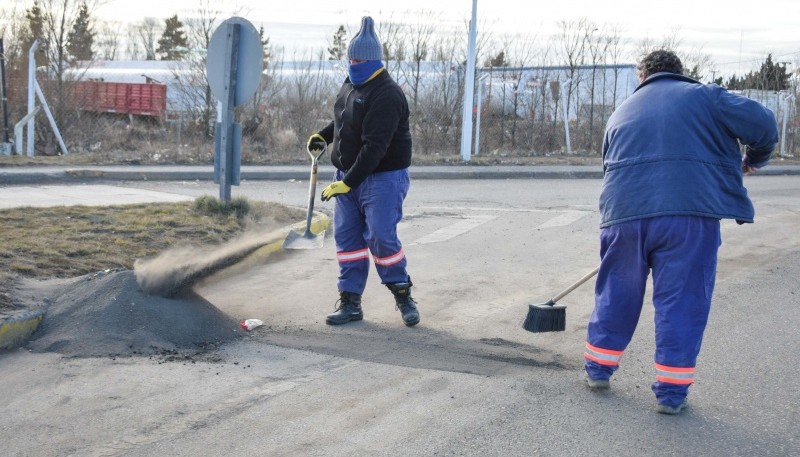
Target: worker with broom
[(672, 170), (371, 150)]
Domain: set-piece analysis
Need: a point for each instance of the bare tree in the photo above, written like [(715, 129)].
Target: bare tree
[(695, 60), (108, 40), (200, 28), (391, 34), (615, 47), (645, 46), (419, 39), (521, 54), (544, 108), (597, 52), (13, 30), (147, 33), (58, 18), (573, 38), (306, 96), (437, 116)]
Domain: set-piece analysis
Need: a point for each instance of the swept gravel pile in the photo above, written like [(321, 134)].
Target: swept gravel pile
[(108, 314)]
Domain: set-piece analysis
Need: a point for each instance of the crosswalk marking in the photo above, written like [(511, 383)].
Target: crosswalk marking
[(563, 219), (467, 223), (453, 230)]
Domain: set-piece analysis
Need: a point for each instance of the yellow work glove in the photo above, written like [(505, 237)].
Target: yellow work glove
[(316, 143), (334, 189)]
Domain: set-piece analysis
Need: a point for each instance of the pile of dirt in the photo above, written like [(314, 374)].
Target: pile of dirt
[(107, 314)]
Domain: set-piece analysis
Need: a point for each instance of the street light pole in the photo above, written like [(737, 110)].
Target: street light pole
[(469, 86)]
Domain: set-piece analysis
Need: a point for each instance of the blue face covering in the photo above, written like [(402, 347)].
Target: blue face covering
[(361, 72)]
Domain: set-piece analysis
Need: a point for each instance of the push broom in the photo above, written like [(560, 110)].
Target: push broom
[(550, 317)]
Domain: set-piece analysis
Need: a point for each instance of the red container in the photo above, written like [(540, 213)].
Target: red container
[(125, 98)]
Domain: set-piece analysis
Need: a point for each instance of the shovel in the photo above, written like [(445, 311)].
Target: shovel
[(308, 240)]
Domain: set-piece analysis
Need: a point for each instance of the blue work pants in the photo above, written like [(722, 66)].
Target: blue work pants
[(365, 221), (681, 251)]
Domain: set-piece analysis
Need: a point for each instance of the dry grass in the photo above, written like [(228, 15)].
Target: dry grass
[(202, 156), (63, 242), (253, 153)]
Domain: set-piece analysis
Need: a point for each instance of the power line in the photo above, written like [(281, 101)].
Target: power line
[(758, 59)]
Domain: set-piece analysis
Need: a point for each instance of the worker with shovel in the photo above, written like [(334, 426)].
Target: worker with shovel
[(370, 144), (672, 169)]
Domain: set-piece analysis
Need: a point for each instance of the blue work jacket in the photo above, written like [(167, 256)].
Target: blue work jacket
[(672, 148)]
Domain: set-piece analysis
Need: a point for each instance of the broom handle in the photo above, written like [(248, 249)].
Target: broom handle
[(576, 285)]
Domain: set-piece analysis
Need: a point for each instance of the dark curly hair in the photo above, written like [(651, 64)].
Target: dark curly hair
[(662, 60)]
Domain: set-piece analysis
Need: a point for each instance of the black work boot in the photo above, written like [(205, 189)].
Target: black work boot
[(348, 308), (404, 302)]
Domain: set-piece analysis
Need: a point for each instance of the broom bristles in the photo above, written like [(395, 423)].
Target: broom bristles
[(545, 317)]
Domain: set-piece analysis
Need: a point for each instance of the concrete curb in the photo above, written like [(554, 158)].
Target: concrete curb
[(319, 224), (133, 173), (17, 329)]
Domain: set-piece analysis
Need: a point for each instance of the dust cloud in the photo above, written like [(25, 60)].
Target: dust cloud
[(178, 268)]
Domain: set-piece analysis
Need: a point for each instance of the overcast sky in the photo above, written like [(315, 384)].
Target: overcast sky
[(735, 37)]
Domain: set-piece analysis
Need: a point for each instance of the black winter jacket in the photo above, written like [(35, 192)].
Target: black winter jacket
[(369, 131)]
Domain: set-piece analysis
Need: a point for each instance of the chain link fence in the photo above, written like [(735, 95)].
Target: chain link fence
[(163, 112)]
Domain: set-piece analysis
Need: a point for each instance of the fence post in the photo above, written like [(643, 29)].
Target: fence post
[(32, 94), (565, 110), (4, 92), (785, 113)]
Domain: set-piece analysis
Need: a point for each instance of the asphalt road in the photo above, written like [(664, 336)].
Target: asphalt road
[(468, 380)]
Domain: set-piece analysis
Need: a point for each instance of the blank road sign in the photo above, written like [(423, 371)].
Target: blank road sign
[(250, 61)]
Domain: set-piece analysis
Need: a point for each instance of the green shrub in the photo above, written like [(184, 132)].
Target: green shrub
[(212, 206)]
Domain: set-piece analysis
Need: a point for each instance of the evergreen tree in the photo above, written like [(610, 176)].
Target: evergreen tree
[(770, 76), (266, 46), (338, 48), (173, 42), (81, 38), (35, 19), (694, 72), (735, 83), (497, 61)]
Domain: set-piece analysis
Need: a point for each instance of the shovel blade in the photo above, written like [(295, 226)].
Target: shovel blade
[(307, 240)]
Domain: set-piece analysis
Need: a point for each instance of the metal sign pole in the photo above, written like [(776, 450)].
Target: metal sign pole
[(225, 127), (233, 69)]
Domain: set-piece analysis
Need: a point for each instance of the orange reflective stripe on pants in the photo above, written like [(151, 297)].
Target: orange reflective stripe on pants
[(602, 356), (674, 375)]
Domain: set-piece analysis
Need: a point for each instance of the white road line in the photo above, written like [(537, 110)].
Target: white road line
[(563, 219), (453, 230), (577, 208)]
